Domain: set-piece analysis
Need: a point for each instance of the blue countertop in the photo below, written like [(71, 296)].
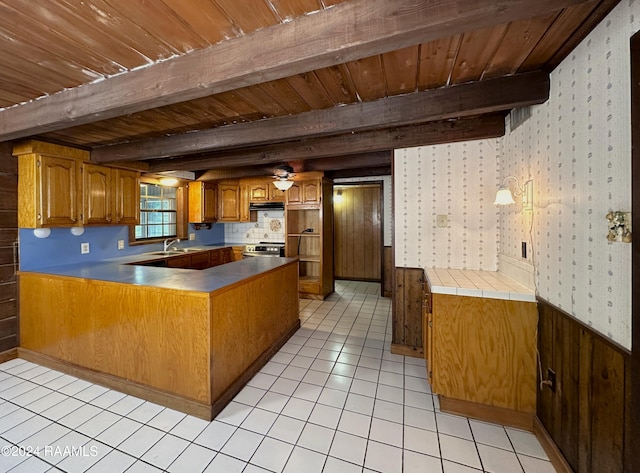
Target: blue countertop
[(121, 270)]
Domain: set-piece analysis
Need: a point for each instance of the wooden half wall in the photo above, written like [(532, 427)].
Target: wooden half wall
[(588, 414)]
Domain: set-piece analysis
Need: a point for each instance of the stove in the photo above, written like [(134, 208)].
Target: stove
[(264, 248)]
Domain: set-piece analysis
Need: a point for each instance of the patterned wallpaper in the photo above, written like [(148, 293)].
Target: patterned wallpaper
[(457, 180), (577, 149)]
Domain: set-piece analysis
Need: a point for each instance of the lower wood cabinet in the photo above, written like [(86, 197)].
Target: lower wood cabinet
[(482, 352)]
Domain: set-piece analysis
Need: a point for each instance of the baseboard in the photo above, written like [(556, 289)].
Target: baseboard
[(487, 413), (132, 388), (551, 449), (157, 396), (9, 354), (416, 352)]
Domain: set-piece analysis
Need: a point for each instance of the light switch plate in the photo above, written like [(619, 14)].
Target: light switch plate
[(121, 244), (192, 236), (442, 221), (84, 248)]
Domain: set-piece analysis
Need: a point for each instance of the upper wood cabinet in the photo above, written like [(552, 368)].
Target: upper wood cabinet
[(49, 186), (97, 201), (126, 196), (265, 191), (308, 192), (229, 202), (58, 187), (202, 202), (259, 192)]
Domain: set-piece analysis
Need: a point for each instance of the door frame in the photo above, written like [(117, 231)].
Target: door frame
[(382, 220)]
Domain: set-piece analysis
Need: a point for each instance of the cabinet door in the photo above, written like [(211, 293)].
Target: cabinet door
[(202, 202), (245, 214), (228, 203), (126, 196), (58, 191), (259, 192), (294, 194), (311, 192), (96, 194), (275, 194)]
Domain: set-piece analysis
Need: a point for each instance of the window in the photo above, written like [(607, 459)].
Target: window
[(158, 212)]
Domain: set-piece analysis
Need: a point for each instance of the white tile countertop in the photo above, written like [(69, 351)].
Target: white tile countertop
[(488, 284)]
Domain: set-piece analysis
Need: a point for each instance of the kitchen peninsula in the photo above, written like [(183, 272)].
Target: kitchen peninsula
[(187, 339)]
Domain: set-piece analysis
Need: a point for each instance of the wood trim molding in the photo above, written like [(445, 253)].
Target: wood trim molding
[(132, 388), (345, 32), (415, 352), (9, 354), (551, 449), (462, 100), (189, 406), (485, 412), (603, 338)]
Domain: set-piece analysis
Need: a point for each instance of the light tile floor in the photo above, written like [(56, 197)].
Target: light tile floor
[(332, 400)]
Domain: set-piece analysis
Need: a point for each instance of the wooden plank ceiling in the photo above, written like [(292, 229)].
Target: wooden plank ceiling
[(214, 85)]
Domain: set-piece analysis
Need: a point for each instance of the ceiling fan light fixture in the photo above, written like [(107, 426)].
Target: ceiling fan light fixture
[(281, 174)]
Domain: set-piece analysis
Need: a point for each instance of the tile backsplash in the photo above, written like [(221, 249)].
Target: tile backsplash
[(269, 227)]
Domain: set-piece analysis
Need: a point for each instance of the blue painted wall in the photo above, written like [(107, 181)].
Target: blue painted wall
[(61, 247)]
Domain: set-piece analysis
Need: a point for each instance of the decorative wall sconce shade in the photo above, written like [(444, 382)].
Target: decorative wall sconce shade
[(505, 197), (281, 174), (77, 231), (42, 232), (337, 198)]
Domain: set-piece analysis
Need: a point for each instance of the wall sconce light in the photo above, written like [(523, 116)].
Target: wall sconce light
[(168, 181), (338, 197), (42, 232), (281, 175), (505, 197), (77, 231)]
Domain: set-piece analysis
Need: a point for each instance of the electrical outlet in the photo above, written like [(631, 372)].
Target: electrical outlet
[(84, 248), (442, 221), (524, 249), (192, 236), (551, 377), (121, 244)]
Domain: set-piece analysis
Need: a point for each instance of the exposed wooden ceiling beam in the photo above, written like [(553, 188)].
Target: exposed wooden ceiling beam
[(464, 100), (336, 163), (487, 126), (365, 172), (345, 32)]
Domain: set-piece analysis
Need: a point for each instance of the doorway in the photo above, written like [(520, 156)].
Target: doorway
[(358, 231)]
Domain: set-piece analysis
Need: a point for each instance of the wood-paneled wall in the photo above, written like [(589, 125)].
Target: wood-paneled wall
[(358, 232), (588, 415), (407, 312), (8, 248)]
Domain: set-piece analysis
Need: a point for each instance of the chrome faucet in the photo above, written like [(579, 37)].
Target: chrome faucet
[(168, 243)]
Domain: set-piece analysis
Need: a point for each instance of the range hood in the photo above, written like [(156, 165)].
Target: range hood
[(266, 206)]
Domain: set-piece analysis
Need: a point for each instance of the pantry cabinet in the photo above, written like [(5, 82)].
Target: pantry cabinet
[(309, 222)]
